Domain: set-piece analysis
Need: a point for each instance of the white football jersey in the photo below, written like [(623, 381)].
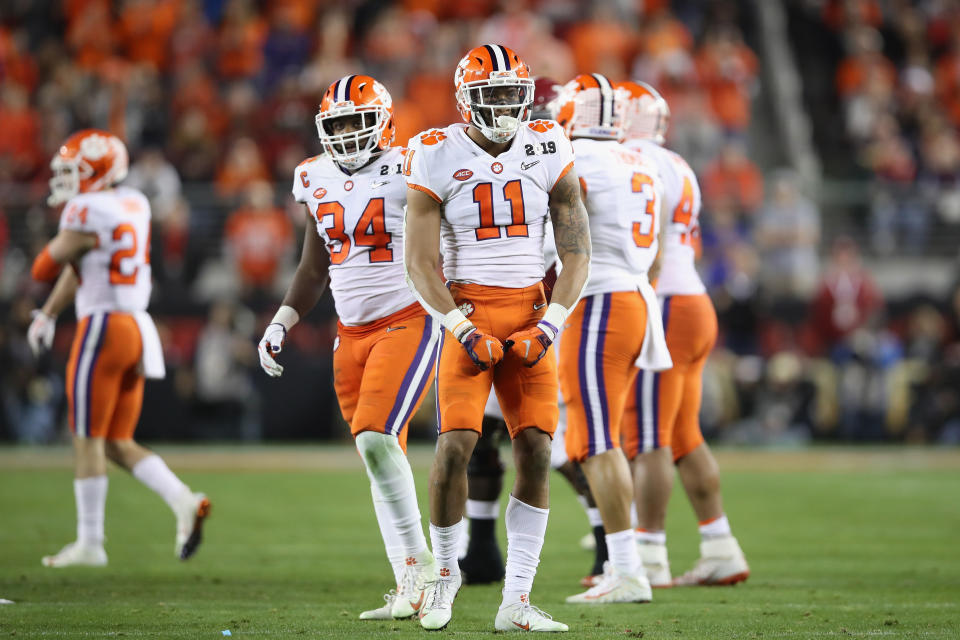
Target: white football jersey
[(359, 216), (623, 200), (495, 209), (681, 202), (114, 275)]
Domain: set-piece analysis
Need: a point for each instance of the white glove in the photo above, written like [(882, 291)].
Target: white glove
[(270, 345), (40, 333)]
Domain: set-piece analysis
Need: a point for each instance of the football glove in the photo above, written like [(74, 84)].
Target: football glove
[(530, 345), (40, 333), (270, 345), (485, 351)]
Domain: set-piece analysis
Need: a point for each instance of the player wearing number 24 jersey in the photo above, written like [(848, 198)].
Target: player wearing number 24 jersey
[(480, 193), (384, 352), (105, 238), (661, 424)]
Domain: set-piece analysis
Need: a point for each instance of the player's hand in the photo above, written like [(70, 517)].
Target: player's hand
[(270, 345), (485, 351), (40, 333), (530, 345)]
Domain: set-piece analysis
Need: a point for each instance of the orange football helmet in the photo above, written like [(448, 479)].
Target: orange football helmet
[(647, 114), (591, 106), (89, 160), (494, 91), (373, 131)]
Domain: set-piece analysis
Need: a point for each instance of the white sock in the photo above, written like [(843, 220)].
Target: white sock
[(584, 503), (483, 509), (651, 537), (716, 528), (526, 527), (391, 542), (446, 543), (154, 472), (389, 469), (622, 548), (91, 497), (593, 515)]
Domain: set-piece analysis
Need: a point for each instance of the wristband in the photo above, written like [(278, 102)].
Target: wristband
[(286, 317), (45, 268), (553, 319), (457, 324)]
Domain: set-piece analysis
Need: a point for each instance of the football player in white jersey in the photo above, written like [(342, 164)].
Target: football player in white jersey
[(385, 349), (482, 191), (662, 422), (481, 560), (616, 326), (104, 237)]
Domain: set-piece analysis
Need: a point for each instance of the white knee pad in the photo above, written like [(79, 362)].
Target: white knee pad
[(386, 463)]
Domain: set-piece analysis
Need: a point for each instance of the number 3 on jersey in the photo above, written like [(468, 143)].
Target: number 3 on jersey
[(371, 231), (643, 184)]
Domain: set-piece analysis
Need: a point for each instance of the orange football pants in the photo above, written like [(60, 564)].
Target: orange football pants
[(663, 409), (601, 342), (527, 395), (381, 370), (104, 378)]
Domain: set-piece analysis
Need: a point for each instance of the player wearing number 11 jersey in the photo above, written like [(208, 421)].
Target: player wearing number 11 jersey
[(105, 238), (481, 192), (384, 352)]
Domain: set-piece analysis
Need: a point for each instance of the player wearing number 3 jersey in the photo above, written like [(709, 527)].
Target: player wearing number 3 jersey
[(105, 238), (385, 349), (481, 192), (616, 326)]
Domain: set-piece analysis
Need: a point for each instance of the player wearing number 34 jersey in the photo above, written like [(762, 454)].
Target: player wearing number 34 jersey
[(385, 349), (480, 193)]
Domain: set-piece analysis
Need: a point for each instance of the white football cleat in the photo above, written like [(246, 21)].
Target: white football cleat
[(588, 542), (191, 513), (437, 606), (77, 555), (655, 564), (412, 587), (523, 616), (615, 588), (382, 613), (721, 563)]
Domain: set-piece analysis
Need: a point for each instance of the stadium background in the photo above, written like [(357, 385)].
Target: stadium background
[(824, 132)]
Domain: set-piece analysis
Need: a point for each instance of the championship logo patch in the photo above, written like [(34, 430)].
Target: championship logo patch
[(496, 167), (466, 308), (319, 193), (462, 174)]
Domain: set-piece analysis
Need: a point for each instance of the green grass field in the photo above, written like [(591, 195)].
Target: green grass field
[(840, 542)]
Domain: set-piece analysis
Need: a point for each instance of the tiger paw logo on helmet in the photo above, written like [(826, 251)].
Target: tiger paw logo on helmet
[(467, 308), (95, 146)]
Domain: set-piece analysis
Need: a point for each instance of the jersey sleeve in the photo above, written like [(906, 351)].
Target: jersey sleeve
[(301, 183), (421, 150), (78, 216)]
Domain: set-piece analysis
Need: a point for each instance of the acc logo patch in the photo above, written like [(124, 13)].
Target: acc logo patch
[(319, 193), (336, 342), (348, 185), (496, 167), (466, 308), (462, 174)]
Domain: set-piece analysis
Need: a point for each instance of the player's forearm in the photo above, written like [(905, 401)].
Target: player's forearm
[(62, 294), (429, 288), (306, 288), (573, 277)]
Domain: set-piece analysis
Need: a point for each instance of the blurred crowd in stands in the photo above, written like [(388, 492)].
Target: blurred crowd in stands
[(216, 99)]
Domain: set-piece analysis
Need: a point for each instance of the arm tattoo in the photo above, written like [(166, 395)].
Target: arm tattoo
[(571, 229)]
